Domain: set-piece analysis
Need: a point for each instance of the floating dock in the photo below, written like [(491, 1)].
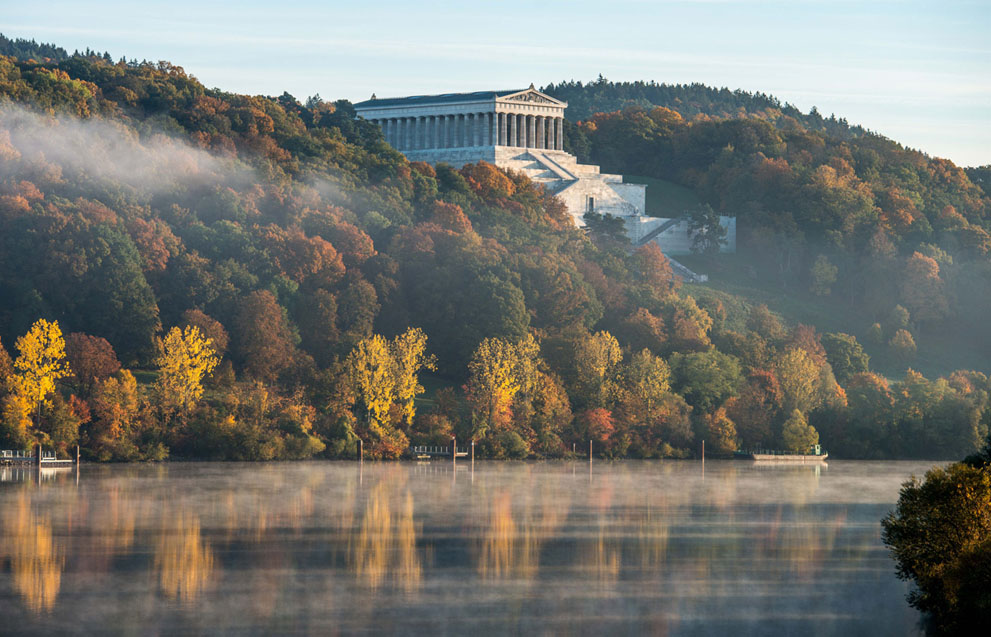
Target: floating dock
[(39, 457)]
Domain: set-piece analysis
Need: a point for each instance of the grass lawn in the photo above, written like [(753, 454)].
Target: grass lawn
[(665, 199)]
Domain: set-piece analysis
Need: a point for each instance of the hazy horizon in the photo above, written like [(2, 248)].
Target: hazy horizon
[(912, 72)]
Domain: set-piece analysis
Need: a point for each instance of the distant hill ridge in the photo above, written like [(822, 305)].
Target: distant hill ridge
[(691, 101)]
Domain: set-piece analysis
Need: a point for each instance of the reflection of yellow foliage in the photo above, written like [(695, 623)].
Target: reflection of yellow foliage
[(653, 536), (507, 549), (511, 544), (35, 559), (600, 560), (386, 542), (183, 560), (114, 526)]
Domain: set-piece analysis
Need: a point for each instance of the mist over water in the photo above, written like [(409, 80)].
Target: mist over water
[(629, 547)]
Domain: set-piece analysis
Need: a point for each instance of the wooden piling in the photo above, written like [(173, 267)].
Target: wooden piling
[(77, 454), (703, 452), (38, 457), (454, 449), (590, 451)]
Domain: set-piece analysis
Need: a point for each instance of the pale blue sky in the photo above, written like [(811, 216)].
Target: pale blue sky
[(918, 72)]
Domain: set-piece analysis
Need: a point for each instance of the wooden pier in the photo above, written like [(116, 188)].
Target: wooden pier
[(425, 452), (38, 457)]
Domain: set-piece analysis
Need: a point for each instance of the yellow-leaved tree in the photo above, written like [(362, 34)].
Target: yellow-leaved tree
[(497, 372), (383, 378), (40, 363), (409, 350), (187, 358)]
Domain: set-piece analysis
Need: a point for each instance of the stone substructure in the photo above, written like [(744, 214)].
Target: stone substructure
[(521, 130)]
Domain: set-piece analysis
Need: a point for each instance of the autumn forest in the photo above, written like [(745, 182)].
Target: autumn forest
[(191, 273)]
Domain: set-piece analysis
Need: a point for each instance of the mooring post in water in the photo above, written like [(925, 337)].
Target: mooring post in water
[(77, 454), (454, 449), (590, 451), (572, 449), (703, 452), (473, 452)]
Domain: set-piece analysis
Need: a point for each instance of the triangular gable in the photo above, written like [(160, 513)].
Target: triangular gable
[(531, 96)]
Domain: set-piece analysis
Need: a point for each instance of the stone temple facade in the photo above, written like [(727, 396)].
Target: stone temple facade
[(520, 130)]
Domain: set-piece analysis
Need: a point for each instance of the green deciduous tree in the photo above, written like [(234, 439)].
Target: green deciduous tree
[(940, 537), (797, 435), (823, 275), (845, 355)]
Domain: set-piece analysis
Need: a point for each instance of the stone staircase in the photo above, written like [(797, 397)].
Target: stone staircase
[(687, 275)]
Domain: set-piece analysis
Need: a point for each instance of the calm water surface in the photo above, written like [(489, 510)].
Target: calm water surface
[(663, 547)]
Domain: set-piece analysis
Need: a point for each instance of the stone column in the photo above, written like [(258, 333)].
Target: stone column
[(531, 131), (551, 144), (521, 131), (540, 132), (493, 127), (559, 122), (513, 133)]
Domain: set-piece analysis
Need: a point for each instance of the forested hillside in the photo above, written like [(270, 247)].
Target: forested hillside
[(195, 273), (821, 207), (692, 101)]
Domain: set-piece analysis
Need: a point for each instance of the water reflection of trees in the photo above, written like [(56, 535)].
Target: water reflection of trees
[(36, 559), (384, 546), (656, 528), (183, 559), (512, 527)]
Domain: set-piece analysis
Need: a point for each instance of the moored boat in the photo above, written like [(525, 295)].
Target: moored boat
[(815, 454)]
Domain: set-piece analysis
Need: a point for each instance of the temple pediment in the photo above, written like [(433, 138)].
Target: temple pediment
[(532, 96)]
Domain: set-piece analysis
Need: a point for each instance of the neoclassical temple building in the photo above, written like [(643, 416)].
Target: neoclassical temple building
[(522, 130)]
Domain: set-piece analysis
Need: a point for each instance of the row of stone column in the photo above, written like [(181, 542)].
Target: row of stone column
[(474, 129)]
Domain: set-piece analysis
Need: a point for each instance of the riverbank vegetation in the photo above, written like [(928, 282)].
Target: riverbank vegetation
[(940, 536), (248, 277)]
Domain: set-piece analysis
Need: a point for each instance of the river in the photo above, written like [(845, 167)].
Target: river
[(630, 547)]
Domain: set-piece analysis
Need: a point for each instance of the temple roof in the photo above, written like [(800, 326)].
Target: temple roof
[(446, 98)]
